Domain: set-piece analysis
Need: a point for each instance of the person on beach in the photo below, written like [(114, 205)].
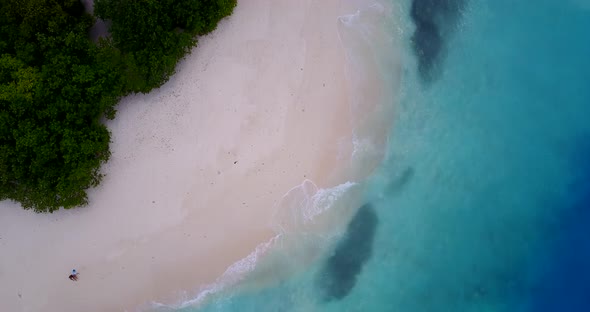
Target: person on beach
[(74, 275)]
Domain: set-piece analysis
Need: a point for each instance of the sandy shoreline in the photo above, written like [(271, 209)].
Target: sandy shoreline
[(197, 169)]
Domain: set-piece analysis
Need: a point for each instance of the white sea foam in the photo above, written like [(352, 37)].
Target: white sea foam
[(373, 67), (234, 274), (300, 206), (371, 56), (296, 213), (324, 199), (363, 146), (307, 218)]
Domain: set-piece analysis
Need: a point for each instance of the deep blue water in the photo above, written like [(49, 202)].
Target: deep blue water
[(565, 279), (483, 200)]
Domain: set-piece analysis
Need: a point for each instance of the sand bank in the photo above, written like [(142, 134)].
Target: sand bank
[(197, 168)]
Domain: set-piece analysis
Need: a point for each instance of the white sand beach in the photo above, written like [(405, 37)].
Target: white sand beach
[(197, 168)]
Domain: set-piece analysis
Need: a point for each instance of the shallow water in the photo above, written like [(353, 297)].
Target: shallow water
[(483, 200)]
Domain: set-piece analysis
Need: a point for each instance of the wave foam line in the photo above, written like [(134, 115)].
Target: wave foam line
[(315, 201), (299, 207)]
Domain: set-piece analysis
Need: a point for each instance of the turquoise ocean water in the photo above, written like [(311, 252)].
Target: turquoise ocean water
[(482, 202)]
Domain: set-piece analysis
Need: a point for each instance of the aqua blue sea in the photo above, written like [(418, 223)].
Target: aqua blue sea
[(483, 200)]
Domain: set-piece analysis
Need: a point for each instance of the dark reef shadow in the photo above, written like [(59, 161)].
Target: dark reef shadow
[(399, 182), (338, 276), (433, 19)]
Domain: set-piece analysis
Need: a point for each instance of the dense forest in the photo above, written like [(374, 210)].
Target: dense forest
[(56, 85)]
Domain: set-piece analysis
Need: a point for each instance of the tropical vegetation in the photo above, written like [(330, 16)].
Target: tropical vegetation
[(57, 85)]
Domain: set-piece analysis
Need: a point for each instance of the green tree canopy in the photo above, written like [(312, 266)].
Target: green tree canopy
[(56, 85), (53, 90), (153, 35)]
